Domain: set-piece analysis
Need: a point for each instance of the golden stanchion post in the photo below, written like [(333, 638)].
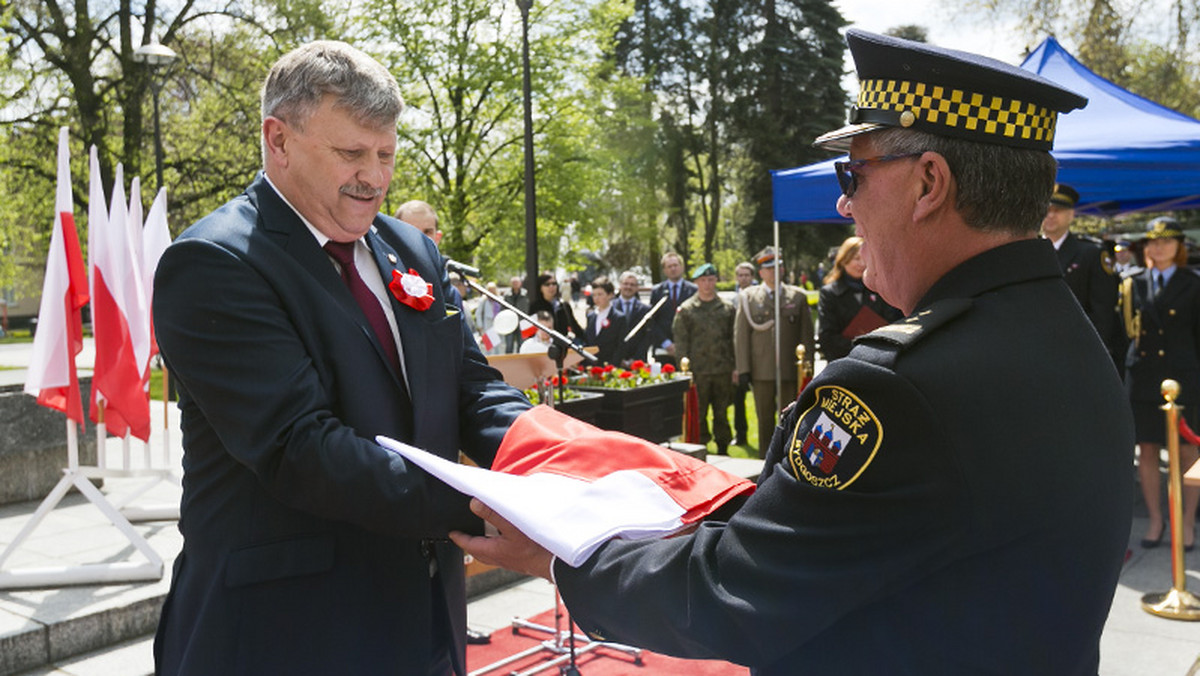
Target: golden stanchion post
[(1178, 603), (801, 369), (685, 367)]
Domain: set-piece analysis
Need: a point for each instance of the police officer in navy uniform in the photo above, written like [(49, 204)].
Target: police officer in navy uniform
[(1087, 266), (952, 497), (1162, 303)]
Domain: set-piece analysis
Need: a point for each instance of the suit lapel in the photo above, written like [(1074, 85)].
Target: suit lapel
[(284, 226)]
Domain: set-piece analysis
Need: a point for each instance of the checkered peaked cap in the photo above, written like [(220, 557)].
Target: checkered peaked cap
[(949, 93)]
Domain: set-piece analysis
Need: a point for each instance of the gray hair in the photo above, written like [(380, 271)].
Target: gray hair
[(1000, 189), (413, 208), (304, 76)]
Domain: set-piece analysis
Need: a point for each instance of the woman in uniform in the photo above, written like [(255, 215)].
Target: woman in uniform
[(1164, 304)]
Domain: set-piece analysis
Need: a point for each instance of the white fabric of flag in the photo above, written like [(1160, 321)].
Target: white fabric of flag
[(51, 376)]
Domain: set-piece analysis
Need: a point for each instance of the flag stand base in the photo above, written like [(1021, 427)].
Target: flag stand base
[(566, 644), (100, 573)]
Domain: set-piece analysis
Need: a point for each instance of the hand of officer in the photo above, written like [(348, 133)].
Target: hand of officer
[(508, 547)]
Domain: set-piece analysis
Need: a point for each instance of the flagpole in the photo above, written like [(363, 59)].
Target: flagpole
[(101, 435), (72, 445)]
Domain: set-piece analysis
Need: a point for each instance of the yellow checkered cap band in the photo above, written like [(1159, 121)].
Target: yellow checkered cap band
[(956, 112)]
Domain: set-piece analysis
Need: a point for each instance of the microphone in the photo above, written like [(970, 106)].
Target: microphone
[(461, 268)]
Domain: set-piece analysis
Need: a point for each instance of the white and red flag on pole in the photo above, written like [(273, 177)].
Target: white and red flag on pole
[(156, 237), (138, 312), (52, 377), (116, 301)]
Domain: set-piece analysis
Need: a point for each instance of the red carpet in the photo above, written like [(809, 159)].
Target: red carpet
[(596, 662)]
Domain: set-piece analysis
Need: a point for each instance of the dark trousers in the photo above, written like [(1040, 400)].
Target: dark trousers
[(766, 409), (714, 391), (740, 427)]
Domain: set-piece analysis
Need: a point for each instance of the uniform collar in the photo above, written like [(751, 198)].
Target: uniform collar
[(1021, 261)]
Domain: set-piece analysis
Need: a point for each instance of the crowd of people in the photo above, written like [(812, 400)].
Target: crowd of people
[(921, 507)]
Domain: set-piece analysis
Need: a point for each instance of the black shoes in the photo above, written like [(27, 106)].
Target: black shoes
[(1148, 543), (477, 637)]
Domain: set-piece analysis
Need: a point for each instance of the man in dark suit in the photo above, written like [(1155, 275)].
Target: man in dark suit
[(1088, 269), (675, 289), (901, 526), (308, 549), (634, 310)]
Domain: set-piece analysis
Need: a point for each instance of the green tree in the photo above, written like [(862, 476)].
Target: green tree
[(72, 64), (789, 91), (1125, 41), (459, 66)]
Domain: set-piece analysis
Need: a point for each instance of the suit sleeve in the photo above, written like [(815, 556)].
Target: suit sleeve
[(796, 558)]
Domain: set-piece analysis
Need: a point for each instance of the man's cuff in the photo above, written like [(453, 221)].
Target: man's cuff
[(553, 560)]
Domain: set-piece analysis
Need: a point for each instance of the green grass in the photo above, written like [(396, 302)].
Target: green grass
[(156, 385), (17, 336)]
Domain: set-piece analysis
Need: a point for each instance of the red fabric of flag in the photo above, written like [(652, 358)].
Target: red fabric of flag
[(545, 440)]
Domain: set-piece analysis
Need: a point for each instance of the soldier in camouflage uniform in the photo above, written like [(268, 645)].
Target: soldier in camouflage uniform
[(703, 330)]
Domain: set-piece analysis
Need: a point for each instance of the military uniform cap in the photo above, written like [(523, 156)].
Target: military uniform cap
[(913, 85), (1162, 227), (1064, 196), (766, 258), (704, 269)]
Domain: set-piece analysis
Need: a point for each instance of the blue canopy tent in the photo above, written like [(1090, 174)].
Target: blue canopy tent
[(1122, 152)]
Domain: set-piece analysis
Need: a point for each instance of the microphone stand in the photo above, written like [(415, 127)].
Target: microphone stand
[(645, 320), (558, 349), (557, 352)]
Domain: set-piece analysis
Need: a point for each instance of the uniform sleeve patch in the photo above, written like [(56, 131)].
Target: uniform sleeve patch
[(835, 440)]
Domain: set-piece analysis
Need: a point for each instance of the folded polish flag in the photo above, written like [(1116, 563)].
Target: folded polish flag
[(571, 487)]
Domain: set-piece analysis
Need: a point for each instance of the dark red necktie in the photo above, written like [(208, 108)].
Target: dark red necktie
[(343, 253)]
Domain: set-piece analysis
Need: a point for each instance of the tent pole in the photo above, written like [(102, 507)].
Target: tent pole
[(778, 336)]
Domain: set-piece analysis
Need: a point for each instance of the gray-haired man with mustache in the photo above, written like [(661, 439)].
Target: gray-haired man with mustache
[(299, 323)]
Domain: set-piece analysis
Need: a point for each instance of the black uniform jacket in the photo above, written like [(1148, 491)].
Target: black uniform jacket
[(951, 498), (1168, 345), (1087, 269), (307, 546)]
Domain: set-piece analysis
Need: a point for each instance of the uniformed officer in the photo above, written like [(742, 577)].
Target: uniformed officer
[(1087, 266), (703, 330), (754, 341), (953, 496), (1163, 306)]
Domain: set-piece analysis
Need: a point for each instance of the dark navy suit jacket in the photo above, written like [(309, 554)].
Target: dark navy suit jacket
[(307, 547), (661, 323), (610, 339)]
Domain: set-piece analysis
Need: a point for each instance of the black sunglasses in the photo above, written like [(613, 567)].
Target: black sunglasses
[(848, 180)]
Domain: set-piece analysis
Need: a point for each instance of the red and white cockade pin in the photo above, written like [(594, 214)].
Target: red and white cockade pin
[(411, 290)]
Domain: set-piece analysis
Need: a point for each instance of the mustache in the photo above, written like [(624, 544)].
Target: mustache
[(361, 191)]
